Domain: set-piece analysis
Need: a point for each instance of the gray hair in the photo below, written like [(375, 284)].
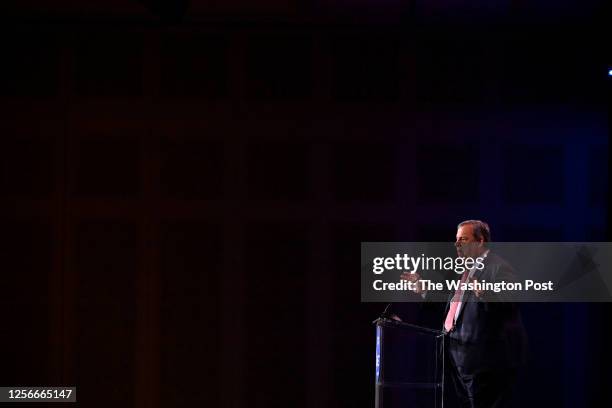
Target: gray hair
[(481, 229)]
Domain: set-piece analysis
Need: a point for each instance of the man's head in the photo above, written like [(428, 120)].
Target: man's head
[(471, 238)]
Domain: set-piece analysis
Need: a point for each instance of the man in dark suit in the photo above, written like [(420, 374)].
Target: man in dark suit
[(486, 338)]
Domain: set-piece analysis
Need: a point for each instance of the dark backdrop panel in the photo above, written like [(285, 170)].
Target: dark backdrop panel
[(106, 261), (27, 249), (277, 266), (191, 260), (352, 332)]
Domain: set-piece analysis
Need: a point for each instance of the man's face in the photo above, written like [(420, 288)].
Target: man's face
[(466, 243)]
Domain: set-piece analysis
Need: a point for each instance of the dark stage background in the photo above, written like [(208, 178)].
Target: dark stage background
[(184, 186)]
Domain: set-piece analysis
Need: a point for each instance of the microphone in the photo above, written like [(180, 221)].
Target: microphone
[(386, 314)]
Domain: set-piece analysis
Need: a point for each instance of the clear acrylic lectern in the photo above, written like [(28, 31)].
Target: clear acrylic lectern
[(409, 365)]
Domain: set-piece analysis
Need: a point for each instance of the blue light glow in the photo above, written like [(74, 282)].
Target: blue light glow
[(610, 72)]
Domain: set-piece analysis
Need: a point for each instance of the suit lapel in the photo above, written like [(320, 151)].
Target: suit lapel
[(468, 293), (464, 303)]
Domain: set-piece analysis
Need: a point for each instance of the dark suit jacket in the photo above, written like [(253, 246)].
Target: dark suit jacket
[(488, 335)]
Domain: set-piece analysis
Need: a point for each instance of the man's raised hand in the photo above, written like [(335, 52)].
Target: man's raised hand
[(413, 277)]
